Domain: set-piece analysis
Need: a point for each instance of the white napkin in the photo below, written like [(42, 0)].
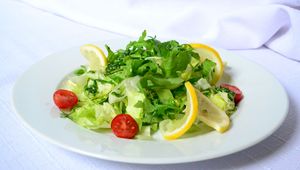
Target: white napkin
[(232, 24)]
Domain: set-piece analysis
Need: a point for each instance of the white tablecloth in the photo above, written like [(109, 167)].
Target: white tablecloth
[(28, 34), (231, 24)]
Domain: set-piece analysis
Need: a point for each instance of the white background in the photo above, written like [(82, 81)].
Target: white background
[(28, 34)]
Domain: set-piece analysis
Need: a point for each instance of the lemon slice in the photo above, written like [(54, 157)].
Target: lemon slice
[(173, 129), (207, 52), (212, 115), (95, 56)]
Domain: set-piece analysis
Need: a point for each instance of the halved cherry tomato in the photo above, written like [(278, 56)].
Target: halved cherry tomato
[(65, 99), (124, 126), (238, 93)]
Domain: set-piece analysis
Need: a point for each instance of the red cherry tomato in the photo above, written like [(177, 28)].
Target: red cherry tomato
[(238, 93), (124, 126), (65, 99)]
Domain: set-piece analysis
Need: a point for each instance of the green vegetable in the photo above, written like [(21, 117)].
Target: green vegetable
[(144, 133), (149, 57), (129, 94), (221, 97), (134, 96), (80, 71), (152, 82), (202, 84), (93, 116), (208, 67), (175, 57), (91, 87), (165, 95), (146, 80)]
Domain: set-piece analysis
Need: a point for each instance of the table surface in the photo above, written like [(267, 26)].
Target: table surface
[(29, 34)]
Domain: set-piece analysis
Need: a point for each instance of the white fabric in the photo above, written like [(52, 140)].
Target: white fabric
[(232, 24), (28, 35)]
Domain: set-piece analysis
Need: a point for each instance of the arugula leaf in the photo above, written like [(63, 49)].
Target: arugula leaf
[(165, 95), (149, 67), (175, 62), (133, 60), (143, 36), (155, 82), (176, 57)]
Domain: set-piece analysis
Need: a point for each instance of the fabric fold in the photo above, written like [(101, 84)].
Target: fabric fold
[(228, 24)]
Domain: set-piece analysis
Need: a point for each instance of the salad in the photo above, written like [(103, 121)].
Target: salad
[(149, 87)]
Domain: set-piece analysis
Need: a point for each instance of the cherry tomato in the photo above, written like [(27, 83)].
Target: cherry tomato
[(65, 99), (124, 126), (238, 93)]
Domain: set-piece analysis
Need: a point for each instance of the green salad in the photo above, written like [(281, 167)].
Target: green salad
[(142, 88)]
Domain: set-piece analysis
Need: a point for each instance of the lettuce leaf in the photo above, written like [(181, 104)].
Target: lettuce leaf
[(221, 97), (127, 95), (93, 116)]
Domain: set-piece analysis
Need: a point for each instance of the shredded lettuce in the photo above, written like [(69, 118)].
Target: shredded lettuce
[(202, 84), (144, 133), (92, 116), (134, 96), (221, 97)]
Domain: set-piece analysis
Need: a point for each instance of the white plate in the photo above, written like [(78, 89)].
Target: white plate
[(260, 113)]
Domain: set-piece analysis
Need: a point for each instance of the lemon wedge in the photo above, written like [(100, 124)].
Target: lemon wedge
[(212, 115), (207, 52), (173, 129), (95, 56)]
